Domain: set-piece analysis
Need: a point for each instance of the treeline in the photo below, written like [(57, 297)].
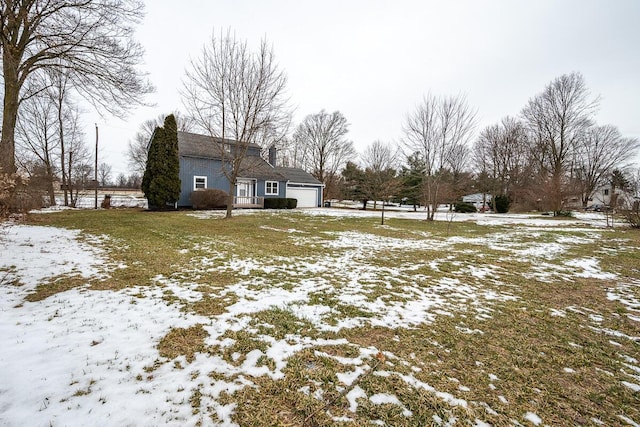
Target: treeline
[(54, 54), (552, 156)]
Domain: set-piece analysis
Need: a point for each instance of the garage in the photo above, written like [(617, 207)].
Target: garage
[(307, 197)]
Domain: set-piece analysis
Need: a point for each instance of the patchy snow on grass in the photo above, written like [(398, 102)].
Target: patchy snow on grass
[(628, 294), (590, 269), (33, 254), (384, 398), (85, 355), (632, 386), (628, 420), (77, 355), (353, 396), (533, 418), (579, 218)]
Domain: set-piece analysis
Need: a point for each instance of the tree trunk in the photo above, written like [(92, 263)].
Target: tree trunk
[(69, 182), (556, 192), (65, 181), (10, 115), (230, 198), (52, 196), (433, 201), (9, 118)]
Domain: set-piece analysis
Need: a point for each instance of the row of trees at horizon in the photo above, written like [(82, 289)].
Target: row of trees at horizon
[(552, 153), (54, 53), (439, 158), (552, 150)]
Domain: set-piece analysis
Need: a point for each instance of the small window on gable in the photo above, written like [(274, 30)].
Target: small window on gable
[(271, 188), (606, 191), (199, 182)]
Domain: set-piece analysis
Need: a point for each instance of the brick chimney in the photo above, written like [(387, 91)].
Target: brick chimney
[(272, 155)]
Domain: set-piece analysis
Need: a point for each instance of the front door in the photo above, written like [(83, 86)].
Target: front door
[(244, 192)]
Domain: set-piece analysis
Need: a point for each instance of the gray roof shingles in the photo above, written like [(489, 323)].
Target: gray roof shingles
[(298, 176), (196, 145), (207, 147)]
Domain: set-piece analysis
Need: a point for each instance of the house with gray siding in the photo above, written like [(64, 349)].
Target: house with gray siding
[(201, 166)]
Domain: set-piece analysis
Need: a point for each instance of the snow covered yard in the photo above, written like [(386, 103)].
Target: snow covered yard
[(317, 318)]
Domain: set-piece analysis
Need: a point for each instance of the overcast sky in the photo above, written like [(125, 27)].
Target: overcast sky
[(374, 60)]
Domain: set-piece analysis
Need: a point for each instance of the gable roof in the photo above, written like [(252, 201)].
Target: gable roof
[(252, 166), (204, 146), (297, 175), (256, 167)]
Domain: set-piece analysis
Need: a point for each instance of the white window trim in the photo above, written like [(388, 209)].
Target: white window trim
[(195, 178), (266, 186)]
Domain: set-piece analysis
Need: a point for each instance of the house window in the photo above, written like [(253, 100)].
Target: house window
[(606, 191), (199, 182), (271, 188)]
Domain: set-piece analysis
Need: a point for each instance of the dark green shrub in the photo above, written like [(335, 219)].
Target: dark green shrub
[(462, 207), (272, 203), (502, 204), (208, 198), (280, 203)]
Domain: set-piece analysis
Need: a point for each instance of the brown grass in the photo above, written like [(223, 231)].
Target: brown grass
[(183, 342), (56, 285), (518, 352)]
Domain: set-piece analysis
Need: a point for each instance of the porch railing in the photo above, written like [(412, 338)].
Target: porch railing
[(248, 202)]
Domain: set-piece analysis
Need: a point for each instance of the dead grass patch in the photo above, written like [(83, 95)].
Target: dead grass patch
[(211, 306), (279, 323), (55, 286), (554, 349), (183, 342)]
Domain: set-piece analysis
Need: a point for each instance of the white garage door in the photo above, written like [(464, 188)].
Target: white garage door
[(307, 197)]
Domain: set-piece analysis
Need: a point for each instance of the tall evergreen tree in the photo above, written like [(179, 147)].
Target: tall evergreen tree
[(352, 177), (161, 181), (412, 179)]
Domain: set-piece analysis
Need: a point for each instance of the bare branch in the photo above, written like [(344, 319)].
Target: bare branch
[(237, 97)]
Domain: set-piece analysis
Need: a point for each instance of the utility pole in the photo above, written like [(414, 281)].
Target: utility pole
[(69, 183), (95, 173)]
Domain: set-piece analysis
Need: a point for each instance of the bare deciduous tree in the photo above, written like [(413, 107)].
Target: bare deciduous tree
[(598, 153), (67, 115), (381, 180), (379, 156), (90, 39), (78, 158), (37, 141), (237, 96), (104, 174), (320, 147), (557, 119), (46, 120), (380, 171), (437, 131), (501, 156), (138, 147)]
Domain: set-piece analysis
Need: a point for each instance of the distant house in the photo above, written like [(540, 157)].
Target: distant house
[(480, 200), (201, 167), (604, 196)]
